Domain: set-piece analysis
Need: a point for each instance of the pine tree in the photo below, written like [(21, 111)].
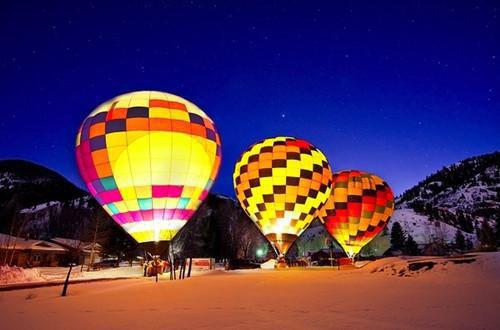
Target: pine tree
[(486, 236), (397, 237), (497, 231), (460, 240), (411, 247), (468, 244)]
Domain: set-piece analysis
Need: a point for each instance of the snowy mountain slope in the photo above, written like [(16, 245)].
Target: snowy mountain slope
[(423, 230), (38, 202), (461, 195)]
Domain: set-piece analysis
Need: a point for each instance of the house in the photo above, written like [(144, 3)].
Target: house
[(79, 251), (30, 252)]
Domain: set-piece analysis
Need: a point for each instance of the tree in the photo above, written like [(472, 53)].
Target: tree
[(468, 244), (497, 231), (377, 246), (460, 240), (486, 236), (411, 247), (119, 244), (397, 237)]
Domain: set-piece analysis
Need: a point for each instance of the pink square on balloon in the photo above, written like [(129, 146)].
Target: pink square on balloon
[(136, 215), (110, 196), (167, 191), (147, 215)]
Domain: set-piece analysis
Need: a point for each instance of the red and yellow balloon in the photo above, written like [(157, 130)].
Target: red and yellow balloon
[(150, 159), (358, 209)]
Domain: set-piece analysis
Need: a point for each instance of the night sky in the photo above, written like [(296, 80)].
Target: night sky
[(400, 88)]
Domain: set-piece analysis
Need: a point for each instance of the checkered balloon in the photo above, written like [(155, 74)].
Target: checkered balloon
[(281, 183), (149, 158), (359, 207)]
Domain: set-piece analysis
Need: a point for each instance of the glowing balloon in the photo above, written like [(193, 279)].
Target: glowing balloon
[(149, 158), (359, 207), (281, 183)]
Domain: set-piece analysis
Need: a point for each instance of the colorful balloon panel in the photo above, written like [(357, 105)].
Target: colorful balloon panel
[(281, 183), (149, 158), (359, 207)]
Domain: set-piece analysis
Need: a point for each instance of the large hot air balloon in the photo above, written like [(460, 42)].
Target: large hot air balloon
[(149, 158), (281, 183), (359, 207)]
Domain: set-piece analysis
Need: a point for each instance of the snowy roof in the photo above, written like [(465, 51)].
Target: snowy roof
[(8, 242), (75, 244)]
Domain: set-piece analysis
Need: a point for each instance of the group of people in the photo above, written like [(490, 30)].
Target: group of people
[(156, 266)]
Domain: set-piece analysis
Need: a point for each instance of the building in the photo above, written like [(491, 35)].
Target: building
[(78, 251), (29, 252)]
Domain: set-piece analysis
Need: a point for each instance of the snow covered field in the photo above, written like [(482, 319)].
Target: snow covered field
[(391, 293), (16, 275)]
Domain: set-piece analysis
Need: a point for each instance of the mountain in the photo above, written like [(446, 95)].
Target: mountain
[(40, 203), (458, 197), (32, 184)]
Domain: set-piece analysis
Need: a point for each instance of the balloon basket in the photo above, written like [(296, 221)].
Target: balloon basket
[(281, 264)]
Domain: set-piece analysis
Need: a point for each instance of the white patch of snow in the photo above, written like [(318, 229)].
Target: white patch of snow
[(39, 207), (10, 275), (423, 230)]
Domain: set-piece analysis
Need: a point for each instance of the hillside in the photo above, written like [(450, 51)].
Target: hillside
[(457, 197), (41, 203)]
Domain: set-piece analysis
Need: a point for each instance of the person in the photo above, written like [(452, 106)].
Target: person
[(154, 266), (145, 265), (164, 266)]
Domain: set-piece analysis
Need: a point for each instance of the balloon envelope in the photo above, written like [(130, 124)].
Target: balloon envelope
[(281, 182), (359, 207), (149, 158)]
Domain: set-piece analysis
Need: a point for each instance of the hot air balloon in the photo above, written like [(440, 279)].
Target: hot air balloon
[(359, 207), (149, 158), (281, 183)]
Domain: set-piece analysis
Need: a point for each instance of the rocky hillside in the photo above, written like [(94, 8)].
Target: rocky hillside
[(460, 196)]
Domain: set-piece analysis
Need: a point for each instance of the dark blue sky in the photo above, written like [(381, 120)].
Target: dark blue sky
[(398, 88)]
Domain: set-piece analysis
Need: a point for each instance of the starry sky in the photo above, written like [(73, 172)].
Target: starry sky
[(397, 88)]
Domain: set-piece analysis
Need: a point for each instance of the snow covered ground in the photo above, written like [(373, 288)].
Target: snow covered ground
[(422, 229), (391, 293), (16, 275), (12, 275)]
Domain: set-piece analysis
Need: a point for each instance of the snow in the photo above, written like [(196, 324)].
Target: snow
[(422, 229), (16, 275), (449, 296), (270, 264), (59, 273), (39, 207), (11, 275), (19, 243)]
